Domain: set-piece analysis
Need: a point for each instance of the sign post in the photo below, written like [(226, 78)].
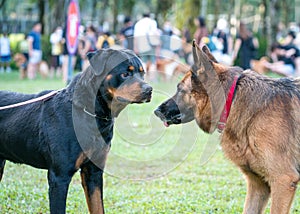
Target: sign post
[(73, 22)]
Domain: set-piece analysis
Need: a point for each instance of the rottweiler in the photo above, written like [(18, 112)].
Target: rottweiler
[(259, 121), (43, 133)]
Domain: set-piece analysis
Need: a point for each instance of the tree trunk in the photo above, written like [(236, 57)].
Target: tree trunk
[(59, 13), (115, 14), (274, 17), (264, 15), (2, 3), (128, 6), (105, 4), (41, 6), (94, 10)]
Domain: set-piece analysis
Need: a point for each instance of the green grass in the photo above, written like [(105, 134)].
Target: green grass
[(150, 169)]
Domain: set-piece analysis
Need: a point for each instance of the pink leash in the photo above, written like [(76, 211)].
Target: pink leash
[(50, 94)]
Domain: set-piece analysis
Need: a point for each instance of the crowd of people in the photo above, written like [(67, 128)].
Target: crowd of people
[(285, 57), (156, 47)]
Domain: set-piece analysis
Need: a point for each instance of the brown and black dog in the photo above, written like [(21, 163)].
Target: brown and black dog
[(21, 62), (260, 121), (72, 130)]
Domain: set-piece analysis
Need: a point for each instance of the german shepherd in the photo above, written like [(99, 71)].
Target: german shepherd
[(259, 118), (43, 134)]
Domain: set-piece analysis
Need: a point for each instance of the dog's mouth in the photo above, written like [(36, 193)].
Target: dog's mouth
[(174, 119), (143, 95), (142, 99)]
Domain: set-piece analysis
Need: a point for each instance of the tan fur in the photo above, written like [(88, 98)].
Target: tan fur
[(259, 65), (178, 68), (93, 198), (20, 59), (134, 88), (81, 158), (262, 133)]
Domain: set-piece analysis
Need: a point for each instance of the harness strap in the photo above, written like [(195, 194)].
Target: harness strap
[(46, 96), (96, 116)]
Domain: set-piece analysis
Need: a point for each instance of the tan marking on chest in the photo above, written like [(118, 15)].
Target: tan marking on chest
[(81, 158)]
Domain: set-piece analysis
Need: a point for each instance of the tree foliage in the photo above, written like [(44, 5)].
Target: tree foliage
[(163, 6), (53, 13)]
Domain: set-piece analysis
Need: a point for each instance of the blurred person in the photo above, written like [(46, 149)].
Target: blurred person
[(146, 40), (280, 32), (245, 46), (168, 59), (167, 32), (187, 38), (34, 50), (126, 33), (286, 58), (105, 41), (66, 55), (23, 47), (88, 44), (297, 39), (222, 42), (56, 51), (201, 30), (5, 53)]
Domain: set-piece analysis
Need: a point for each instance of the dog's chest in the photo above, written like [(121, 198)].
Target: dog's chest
[(243, 155), (235, 151)]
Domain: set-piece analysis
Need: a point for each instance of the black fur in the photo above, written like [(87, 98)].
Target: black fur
[(42, 135)]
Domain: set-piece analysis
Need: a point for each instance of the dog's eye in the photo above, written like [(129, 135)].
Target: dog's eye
[(125, 75)]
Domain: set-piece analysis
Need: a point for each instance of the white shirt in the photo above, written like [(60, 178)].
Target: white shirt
[(142, 29), (55, 39), (145, 26), (4, 46)]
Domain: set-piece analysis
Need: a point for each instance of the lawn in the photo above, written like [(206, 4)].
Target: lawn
[(150, 168)]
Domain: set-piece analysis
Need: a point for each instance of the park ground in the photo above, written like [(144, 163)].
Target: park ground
[(192, 183)]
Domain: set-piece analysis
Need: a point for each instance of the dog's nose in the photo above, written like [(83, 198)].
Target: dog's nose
[(158, 113), (147, 89)]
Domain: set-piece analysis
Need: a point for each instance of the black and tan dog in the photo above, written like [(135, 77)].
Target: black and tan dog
[(43, 133), (260, 121)]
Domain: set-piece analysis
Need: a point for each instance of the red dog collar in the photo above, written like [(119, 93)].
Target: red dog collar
[(225, 113)]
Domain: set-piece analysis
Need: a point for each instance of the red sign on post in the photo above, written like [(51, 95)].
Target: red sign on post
[(73, 23)]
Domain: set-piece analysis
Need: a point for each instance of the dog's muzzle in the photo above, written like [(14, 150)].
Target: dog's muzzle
[(168, 118), (146, 92), (145, 95)]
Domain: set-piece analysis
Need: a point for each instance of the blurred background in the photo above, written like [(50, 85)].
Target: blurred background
[(264, 16)]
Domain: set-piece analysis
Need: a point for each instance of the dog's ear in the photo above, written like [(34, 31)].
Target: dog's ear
[(202, 63), (206, 50), (91, 54), (206, 71), (98, 60), (195, 51), (219, 68), (197, 66)]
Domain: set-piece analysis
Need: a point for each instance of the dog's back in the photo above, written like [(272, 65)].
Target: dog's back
[(17, 132), (264, 120), (9, 98)]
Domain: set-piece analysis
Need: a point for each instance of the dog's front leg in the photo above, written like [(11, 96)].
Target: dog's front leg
[(58, 190), (92, 183), (258, 193), (283, 188), (2, 164)]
